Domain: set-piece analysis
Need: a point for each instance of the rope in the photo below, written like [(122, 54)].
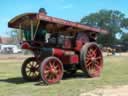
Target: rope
[(37, 28)]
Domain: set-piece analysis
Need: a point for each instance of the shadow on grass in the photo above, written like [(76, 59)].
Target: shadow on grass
[(16, 80), (20, 80), (66, 76), (77, 75)]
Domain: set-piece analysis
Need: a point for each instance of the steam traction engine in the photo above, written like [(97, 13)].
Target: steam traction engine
[(58, 45)]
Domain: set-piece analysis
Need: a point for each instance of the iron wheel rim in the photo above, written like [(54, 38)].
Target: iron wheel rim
[(93, 61), (52, 70)]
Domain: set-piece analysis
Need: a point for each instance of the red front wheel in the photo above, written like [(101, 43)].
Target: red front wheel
[(51, 70), (30, 69), (91, 59)]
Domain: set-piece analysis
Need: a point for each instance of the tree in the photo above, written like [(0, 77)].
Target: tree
[(124, 37), (111, 20), (125, 23), (15, 35)]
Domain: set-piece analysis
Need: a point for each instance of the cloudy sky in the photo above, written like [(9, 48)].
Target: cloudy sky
[(67, 9)]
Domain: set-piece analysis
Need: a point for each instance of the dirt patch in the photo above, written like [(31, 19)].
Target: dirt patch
[(116, 54), (13, 56), (108, 91)]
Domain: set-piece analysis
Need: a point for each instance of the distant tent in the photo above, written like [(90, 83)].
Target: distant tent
[(0, 40), (6, 40)]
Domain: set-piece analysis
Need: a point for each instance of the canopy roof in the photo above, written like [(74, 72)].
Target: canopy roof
[(24, 21)]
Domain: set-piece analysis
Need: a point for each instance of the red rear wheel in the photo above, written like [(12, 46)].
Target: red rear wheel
[(91, 59), (51, 70)]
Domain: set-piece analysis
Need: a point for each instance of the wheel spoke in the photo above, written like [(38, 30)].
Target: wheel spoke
[(92, 66), (28, 67), (92, 69), (46, 71), (97, 64), (37, 65), (56, 67), (87, 61), (50, 63), (50, 77), (37, 73), (34, 64), (53, 63), (47, 67), (53, 76), (99, 57), (29, 73), (88, 58), (89, 68), (46, 75), (31, 63), (90, 52), (94, 52), (88, 64), (32, 74)]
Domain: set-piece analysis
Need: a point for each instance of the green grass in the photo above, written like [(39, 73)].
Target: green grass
[(115, 73)]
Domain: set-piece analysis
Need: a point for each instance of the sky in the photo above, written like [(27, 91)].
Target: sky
[(72, 10)]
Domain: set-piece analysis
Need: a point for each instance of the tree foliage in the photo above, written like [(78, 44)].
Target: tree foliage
[(15, 35), (124, 37), (111, 20)]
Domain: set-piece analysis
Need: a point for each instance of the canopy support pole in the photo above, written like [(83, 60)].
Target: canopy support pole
[(32, 30), (37, 28), (20, 35)]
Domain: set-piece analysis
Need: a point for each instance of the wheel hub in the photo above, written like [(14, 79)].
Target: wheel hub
[(33, 69), (93, 59), (53, 71)]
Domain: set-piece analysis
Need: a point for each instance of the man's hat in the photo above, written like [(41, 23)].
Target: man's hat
[(42, 10)]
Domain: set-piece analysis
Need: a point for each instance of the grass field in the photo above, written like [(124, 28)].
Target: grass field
[(115, 73)]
